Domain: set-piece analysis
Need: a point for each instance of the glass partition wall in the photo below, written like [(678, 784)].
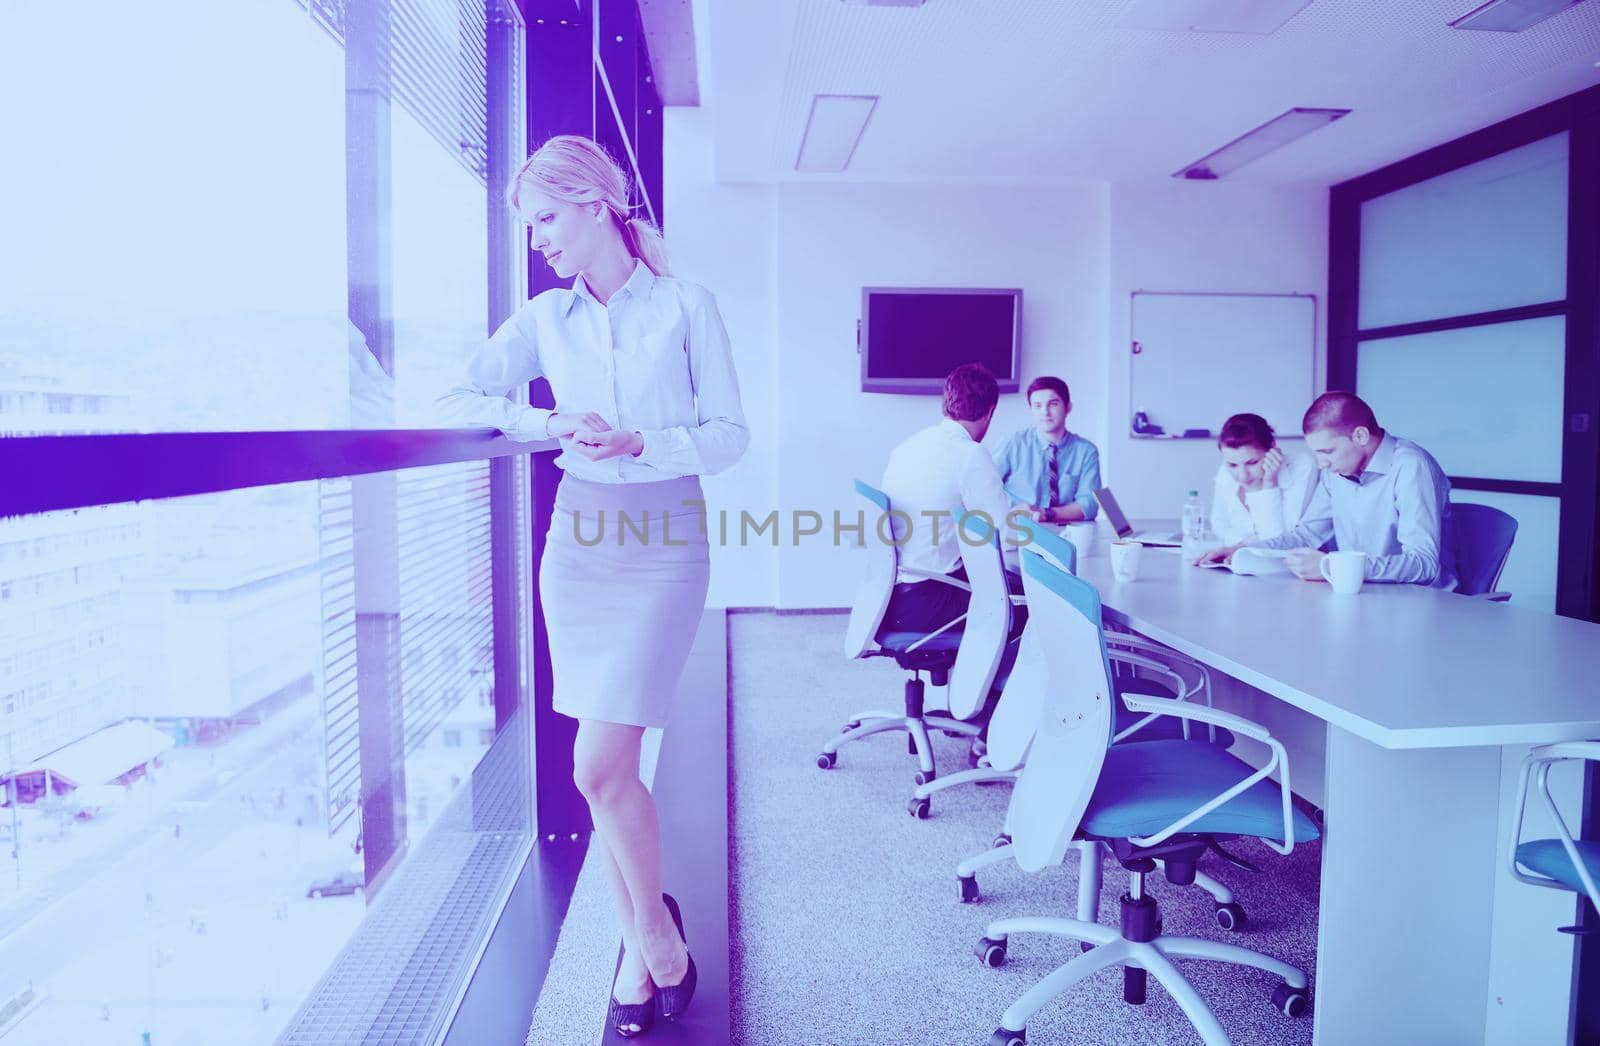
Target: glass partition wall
[(264, 686)]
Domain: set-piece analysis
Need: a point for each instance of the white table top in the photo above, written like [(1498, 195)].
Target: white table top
[(1399, 665)]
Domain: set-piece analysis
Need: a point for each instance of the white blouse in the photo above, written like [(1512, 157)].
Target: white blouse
[(1264, 513), (655, 358)]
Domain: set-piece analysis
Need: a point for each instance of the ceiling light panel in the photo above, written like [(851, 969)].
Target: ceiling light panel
[(833, 130), (1255, 17), (1253, 145), (1511, 16)]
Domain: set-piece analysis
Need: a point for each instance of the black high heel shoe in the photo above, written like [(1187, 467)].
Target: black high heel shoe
[(673, 999), (631, 1018)]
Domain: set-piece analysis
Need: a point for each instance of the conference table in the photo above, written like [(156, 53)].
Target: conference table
[(1429, 701)]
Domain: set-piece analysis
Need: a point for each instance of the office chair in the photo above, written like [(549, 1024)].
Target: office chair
[(978, 668), (963, 654), (1483, 543), (1016, 718), (1563, 863), (1155, 799)]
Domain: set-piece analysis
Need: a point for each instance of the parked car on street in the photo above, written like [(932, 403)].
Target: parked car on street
[(337, 886)]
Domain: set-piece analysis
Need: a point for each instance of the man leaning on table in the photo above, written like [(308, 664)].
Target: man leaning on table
[(1376, 493)]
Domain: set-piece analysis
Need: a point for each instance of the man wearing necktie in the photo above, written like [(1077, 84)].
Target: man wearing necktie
[(1050, 470)]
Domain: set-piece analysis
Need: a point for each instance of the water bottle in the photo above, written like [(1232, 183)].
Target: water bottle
[(1194, 525)]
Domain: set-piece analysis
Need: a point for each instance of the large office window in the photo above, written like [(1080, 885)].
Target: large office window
[(231, 722)]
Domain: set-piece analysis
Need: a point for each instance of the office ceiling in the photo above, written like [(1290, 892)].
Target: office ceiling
[(1000, 89)]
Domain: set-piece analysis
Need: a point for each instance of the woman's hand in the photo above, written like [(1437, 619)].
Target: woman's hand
[(609, 443), (1305, 563), (1271, 465), (1217, 555), (562, 426)]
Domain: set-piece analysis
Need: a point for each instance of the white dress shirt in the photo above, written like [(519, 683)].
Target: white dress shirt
[(1264, 513), (654, 358), (1397, 512), (935, 476)]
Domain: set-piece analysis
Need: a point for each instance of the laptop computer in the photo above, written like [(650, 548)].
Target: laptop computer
[(1124, 529)]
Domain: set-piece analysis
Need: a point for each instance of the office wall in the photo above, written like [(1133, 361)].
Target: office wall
[(724, 236), (1209, 237)]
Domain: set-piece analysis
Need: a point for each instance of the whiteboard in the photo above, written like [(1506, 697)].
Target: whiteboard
[(1197, 359)]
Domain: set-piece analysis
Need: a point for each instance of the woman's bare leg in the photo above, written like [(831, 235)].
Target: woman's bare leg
[(633, 982), (605, 760)]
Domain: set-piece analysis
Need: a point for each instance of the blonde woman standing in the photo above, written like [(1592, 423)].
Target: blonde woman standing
[(646, 402)]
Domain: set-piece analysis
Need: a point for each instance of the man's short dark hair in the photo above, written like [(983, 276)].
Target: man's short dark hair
[(1246, 430), (1055, 385), (970, 392), (1340, 413)]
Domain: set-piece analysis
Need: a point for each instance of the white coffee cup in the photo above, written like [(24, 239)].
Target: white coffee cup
[(1082, 537), (1125, 559), (1345, 571)]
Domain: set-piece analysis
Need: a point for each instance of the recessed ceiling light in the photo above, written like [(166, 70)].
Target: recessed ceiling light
[(1511, 16), (1274, 134), (833, 130), (1258, 17)]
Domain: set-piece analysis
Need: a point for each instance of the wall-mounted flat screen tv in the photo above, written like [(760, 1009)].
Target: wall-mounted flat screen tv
[(911, 337)]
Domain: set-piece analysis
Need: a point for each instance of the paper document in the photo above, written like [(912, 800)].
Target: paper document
[(1256, 561)]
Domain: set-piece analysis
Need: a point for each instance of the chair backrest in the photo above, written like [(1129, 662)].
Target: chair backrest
[(1483, 541), (983, 633), (1058, 550), (1075, 723), (877, 585), (1016, 716)]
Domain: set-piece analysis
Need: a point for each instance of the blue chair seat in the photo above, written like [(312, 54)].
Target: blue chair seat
[(1145, 787), (1165, 728), (899, 642), (1549, 858)]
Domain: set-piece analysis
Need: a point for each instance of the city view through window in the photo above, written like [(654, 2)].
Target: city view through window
[(181, 696)]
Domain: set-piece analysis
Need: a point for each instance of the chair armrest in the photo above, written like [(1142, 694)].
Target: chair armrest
[(1198, 713), (932, 576), (1565, 750), (942, 628), (1138, 642), (1180, 684), (1539, 761)]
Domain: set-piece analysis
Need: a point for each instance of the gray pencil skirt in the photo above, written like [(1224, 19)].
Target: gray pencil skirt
[(623, 585)]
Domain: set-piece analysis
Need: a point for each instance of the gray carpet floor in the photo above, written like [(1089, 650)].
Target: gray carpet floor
[(847, 926)]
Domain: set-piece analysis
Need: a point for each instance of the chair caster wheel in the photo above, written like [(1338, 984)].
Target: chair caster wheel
[(969, 889), (826, 760), (1002, 1037), (992, 953), (1230, 916), (1293, 1002), (1003, 839), (919, 808), (922, 777)]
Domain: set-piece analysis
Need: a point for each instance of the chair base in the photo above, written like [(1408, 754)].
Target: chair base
[(1230, 915), (1141, 951)]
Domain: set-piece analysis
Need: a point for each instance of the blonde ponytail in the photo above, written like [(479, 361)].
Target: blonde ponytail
[(644, 241)]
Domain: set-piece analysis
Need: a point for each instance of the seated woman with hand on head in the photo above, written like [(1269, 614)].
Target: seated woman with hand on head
[(1260, 492)]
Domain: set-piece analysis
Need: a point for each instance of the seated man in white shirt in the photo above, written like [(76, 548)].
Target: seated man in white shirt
[(1260, 491), (1377, 493), (934, 477)]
